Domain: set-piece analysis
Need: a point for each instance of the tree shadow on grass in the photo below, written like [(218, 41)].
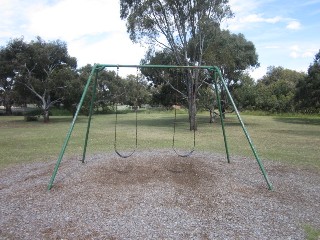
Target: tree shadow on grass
[(15, 123), (166, 121), (67, 119), (299, 120), (297, 132)]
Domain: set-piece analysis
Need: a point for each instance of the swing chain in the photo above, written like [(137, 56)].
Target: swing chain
[(116, 123), (174, 128)]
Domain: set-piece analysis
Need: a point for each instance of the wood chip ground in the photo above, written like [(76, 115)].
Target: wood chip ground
[(157, 195)]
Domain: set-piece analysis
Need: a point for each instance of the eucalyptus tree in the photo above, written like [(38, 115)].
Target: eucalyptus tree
[(44, 68), (170, 86), (276, 90), (139, 90), (308, 89), (6, 82), (233, 53), (171, 24), (8, 64), (207, 101), (245, 93), (113, 89)]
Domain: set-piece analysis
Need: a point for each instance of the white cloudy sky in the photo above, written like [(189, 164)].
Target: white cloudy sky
[(285, 32)]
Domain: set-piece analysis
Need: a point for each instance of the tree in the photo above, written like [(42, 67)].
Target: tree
[(207, 101), (44, 68), (276, 90), (171, 24), (6, 83), (232, 53), (74, 83), (139, 91), (164, 95), (244, 92), (113, 89), (308, 89), (8, 65), (107, 92), (171, 85)]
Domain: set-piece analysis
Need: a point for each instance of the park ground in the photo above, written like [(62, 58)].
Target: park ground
[(154, 192)]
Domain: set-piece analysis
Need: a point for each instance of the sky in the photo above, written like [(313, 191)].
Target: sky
[(285, 32)]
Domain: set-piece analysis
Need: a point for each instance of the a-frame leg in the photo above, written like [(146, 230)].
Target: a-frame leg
[(90, 116), (221, 117), (245, 130), (64, 146)]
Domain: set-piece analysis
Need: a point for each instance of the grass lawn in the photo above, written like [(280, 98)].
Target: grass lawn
[(294, 140)]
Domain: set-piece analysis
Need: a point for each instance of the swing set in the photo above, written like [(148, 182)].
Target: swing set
[(212, 71)]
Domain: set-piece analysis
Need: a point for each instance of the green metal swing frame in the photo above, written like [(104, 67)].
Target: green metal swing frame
[(217, 78)]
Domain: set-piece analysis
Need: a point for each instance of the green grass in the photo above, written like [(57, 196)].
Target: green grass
[(312, 233), (294, 140)]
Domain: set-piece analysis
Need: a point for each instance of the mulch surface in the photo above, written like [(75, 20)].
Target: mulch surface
[(158, 195)]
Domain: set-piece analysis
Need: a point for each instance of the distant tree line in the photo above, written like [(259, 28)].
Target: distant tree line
[(282, 90), (178, 32), (43, 73)]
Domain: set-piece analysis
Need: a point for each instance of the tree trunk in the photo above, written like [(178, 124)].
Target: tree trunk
[(8, 109), (46, 116), (223, 109), (223, 103), (211, 116), (192, 109)]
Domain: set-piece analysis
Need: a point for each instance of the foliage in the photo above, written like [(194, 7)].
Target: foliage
[(171, 85), (74, 88), (32, 115), (113, 89), (8, 93), (59, 111), (207, 101), (164, 95), (308, 89), (192, 34), (43, 73), (171, 24), (244, 93), (232, 53), (275, 91), (37, 71), (139, 90), (179, 27)]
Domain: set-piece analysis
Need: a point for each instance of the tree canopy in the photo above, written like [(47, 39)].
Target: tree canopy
[(43, 73), (38, 70), (44, 68), (308, 89), (232, 53), (276, 90), (171, 23), (179, 27), (8, 66)]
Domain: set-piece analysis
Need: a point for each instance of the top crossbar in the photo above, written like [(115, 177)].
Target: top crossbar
[(102, 66)]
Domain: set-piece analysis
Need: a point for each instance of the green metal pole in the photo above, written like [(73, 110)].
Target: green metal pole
[(90, 116), (153, 66), (221, 117), (246, 132), (64, 146)]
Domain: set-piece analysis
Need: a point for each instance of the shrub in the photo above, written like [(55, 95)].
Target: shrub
[(32, 115)]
